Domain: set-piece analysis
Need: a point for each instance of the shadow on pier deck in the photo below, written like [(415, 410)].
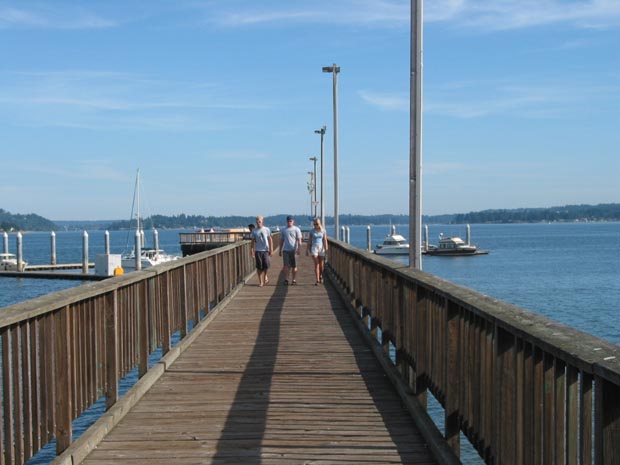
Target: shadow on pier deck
[(280, 376)]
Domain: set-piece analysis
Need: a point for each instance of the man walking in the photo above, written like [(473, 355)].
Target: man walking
[(262, 248), (290, 245)]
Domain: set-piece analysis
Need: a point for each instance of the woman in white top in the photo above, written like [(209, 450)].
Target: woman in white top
[(317, 247)]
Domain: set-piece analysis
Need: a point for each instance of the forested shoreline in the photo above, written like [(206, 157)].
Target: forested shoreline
[(568, 213)]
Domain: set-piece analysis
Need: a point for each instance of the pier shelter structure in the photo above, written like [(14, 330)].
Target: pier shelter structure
[(230, 372)]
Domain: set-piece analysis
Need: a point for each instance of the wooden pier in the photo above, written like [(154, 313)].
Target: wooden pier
[(281, 374)]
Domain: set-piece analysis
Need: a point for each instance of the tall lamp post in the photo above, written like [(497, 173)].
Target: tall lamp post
[(314, 202), (322, 133), (335, 70), (415, 137), (311, 188)]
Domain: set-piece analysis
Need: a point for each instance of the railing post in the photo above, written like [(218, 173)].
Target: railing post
[(64, 379), (453, 377), (111, 349), (606, 422), (167, 305), (184, 310), (143, 329)]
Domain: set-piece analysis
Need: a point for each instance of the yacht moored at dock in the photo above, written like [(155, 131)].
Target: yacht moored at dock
[(393, 244)]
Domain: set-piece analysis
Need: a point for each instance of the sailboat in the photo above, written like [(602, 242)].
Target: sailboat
[(148, 256)]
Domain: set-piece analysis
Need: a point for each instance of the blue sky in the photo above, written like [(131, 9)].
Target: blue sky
[(217, 102)]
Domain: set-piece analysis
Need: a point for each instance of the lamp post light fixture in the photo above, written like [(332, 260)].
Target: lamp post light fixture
[(314, 202), (335, 70), (322, 133)]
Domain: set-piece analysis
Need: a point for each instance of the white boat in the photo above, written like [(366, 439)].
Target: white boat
[(148, 256), (393, 244), (451, 246), (8, 262)]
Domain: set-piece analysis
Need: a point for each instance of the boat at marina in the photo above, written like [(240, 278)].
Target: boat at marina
[(148, 256), (453, 246), (393, 244), (8, 262)]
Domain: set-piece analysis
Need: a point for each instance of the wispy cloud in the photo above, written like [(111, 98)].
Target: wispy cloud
[(481, 15), (476, 99), (385, 101), (105, 100), (51, 18)]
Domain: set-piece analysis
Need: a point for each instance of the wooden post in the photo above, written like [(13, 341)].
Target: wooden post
[(453, 377), (143, 329), (64, 379), (112, 349)]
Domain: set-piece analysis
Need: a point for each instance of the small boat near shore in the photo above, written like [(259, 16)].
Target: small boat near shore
[(453, 246), (8, 262), (393, 244)]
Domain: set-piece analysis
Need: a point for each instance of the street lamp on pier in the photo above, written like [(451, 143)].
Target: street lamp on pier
[(335, 70), (314, 202), (311, 188), (322, 133)]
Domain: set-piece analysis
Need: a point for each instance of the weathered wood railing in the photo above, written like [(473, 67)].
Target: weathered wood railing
[(523, 389), (63, 351)]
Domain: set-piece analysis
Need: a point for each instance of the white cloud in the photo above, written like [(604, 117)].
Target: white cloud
[(385, 101), (487, 15), (56, 18)]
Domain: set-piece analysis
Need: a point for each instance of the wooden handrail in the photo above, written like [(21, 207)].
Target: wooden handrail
[(62, 351), (523, 388)]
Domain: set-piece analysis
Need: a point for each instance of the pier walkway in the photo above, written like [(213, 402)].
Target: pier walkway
[(280, 376), (232, 373)]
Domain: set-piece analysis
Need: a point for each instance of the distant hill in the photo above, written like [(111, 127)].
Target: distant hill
[(18, 222), (567, 213)]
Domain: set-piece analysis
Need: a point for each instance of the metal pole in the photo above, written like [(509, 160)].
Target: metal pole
[(335, 70), (5, 238), (336, 218), (314, 202), (53, 248), (369, 246), (415, 137), (322, 133)]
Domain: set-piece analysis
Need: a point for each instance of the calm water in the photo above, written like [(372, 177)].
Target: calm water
[(569, 272)]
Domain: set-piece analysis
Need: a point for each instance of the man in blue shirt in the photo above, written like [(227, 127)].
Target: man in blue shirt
[(290, 245), (262, 248)]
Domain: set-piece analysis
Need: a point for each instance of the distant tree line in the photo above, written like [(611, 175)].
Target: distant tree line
[(18, 222), (601, 212)]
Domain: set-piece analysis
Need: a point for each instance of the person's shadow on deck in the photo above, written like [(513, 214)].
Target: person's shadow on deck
[(242, 436)]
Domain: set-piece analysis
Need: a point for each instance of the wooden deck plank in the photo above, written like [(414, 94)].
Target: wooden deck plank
[(280, 377)]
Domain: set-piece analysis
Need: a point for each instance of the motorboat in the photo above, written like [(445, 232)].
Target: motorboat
[(148, 258), (451, 246), (8, 262), (393, 244)]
